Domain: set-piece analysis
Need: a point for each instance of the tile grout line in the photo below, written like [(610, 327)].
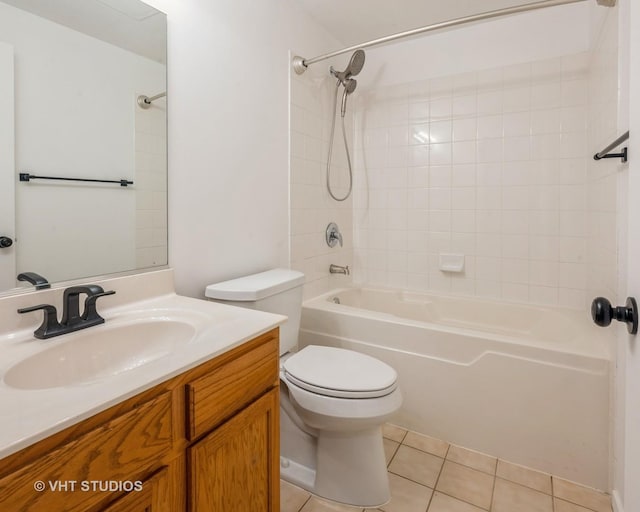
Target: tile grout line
[(435, 485), (493, 487), (306, 501), (393, 456)]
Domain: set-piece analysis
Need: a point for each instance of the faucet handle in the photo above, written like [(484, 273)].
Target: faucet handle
[(333, 235), (49, 324), (90, 312)]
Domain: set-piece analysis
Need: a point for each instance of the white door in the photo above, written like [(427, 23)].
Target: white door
[(631, 344), (7, 169)]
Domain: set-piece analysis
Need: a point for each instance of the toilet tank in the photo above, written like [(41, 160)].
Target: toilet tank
[(275, 291)]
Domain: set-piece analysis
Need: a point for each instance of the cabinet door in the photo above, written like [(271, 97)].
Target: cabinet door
[(149, 496), (236, 467)]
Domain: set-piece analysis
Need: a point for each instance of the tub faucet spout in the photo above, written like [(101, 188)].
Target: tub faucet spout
[(337, 269)]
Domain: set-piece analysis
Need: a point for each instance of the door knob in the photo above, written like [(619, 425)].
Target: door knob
[(602, 313), (5, 242)]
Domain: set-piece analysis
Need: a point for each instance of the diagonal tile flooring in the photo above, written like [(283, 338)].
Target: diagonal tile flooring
[(430, 475)]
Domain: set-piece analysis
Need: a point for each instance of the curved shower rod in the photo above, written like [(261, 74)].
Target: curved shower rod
[(301, 64)]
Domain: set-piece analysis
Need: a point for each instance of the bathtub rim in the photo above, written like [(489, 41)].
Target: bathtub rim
[(596, 347)]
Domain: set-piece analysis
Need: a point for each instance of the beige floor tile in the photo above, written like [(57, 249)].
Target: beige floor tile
[(407, 496), (426, 444), (390, 448), (466, 484), (443, 503), (316, 504), (524, 476), (508, 497), (565, 506), (393, 432), (291, 497), (416, 465), (475, 460), (583, 496)]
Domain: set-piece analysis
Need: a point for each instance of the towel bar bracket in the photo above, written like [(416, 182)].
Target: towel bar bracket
[(622, 155)]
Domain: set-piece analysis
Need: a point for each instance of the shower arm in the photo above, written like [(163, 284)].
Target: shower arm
[(301, 64)]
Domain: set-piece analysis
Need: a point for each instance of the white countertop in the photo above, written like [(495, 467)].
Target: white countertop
[(30, 415)]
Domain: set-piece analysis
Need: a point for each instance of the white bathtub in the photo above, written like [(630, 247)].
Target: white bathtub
[(524, 383)]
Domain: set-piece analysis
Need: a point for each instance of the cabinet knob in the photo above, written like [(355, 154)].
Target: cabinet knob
[(5, 242), (603, 312)]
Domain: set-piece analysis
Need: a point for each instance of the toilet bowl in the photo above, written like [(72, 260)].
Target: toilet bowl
[(333, 401)]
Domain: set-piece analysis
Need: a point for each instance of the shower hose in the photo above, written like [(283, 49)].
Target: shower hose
[(346, 147)]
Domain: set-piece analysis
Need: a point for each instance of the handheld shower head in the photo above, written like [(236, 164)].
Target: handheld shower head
[(356, 63), (349, 86)]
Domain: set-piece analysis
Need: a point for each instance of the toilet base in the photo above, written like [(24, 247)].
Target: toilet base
[(356, 469), (297, 474), (350, 468)]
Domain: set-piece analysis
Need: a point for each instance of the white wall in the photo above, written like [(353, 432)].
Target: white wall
[(526, 37), (229, 134), (74, 107)]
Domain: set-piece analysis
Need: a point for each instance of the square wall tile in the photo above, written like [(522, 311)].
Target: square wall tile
[(493, 163)]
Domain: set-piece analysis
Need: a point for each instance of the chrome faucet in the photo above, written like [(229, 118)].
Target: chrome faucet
[(337, 269), (72, 320)]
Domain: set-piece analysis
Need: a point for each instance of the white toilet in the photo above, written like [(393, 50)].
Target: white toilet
[(333, 402)]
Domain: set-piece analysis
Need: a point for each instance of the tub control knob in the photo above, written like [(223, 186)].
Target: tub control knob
[(602, 313)]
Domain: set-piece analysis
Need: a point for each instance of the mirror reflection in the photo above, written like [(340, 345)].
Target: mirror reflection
[(82, 97)]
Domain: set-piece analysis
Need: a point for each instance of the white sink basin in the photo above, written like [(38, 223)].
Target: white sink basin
[(98, 352)]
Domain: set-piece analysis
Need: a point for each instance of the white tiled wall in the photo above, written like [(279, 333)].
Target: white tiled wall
[(312, 209), (603, 175), (151, 185), (489, 164)]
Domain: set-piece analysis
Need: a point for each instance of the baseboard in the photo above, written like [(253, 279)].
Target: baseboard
[(616, 502)]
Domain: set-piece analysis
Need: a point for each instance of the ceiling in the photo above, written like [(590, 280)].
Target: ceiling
[(357, 21), (128, 24)]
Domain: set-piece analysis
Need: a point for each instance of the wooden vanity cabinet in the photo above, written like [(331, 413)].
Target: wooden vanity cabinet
[(206, 441), (151, 498)]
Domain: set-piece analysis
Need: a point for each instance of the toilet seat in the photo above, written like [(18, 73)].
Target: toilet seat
[(339, 373)]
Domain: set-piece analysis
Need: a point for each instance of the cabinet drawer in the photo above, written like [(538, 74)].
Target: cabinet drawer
[(227, 389), (150, 497), (119, 450)]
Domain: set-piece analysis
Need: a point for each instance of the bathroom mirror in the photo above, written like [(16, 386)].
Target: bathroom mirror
[(82, 96)]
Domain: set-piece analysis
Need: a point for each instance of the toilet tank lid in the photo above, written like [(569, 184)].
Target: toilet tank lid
[(256, 286)]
